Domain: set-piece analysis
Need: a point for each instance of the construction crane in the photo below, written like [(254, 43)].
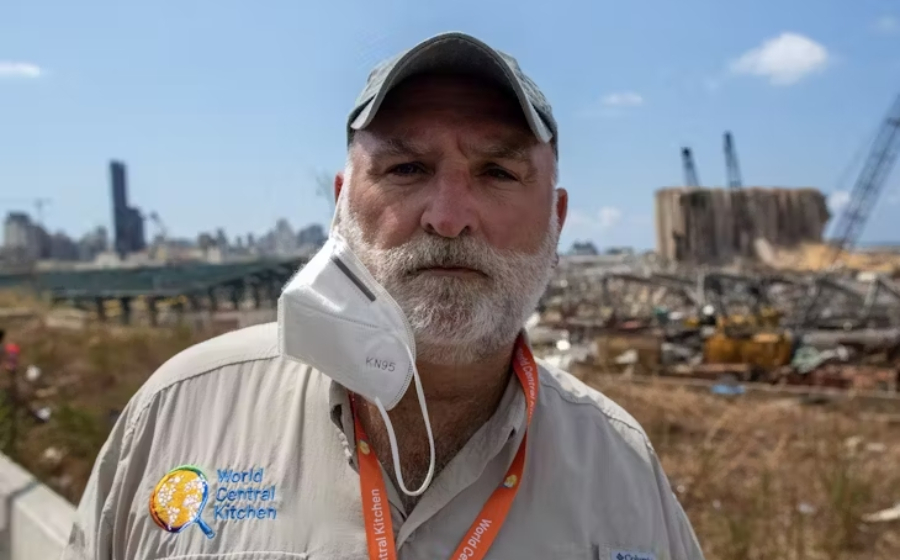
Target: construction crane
[(732, 170), (162, 232), (870, 182), (39, 204), (690, 170)]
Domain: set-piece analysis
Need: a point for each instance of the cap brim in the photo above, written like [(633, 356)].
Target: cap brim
[(454, 52)]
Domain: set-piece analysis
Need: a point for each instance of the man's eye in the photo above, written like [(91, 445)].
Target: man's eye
[(499, 173), (406, 169)]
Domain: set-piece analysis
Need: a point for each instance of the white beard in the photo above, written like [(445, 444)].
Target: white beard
[(457, 321)]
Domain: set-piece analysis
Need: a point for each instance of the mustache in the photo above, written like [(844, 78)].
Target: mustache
[(435, 252)]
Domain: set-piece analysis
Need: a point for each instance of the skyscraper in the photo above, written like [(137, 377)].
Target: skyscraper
[(120, 206), (128, 224)]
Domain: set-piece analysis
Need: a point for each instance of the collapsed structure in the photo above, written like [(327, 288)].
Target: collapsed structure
[(716, 226), (605, 315)]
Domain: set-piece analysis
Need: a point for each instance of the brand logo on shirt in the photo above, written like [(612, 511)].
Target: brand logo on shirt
[(178, 500), (510, 481), (244, 495), (630, 555), (240, 495)]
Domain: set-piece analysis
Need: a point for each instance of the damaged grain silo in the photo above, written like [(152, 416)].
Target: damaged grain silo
[(718, 226)]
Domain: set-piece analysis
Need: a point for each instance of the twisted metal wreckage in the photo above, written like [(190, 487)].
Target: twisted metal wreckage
[(818, 330)]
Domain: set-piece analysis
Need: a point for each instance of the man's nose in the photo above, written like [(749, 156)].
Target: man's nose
[(450, 210)]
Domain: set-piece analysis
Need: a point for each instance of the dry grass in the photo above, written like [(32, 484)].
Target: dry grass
[(87, 378), (759, 479), (773, 479)]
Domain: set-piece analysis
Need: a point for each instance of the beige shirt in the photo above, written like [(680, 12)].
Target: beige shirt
[(272, 437)]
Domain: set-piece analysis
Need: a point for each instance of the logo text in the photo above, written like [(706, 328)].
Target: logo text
[(381, 364)]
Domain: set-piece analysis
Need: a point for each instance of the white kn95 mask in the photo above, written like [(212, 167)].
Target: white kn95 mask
[(334, 316)]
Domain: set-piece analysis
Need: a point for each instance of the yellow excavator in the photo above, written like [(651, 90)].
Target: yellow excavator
[(752, 335)]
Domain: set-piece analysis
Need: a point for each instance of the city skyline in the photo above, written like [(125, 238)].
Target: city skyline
[(236, 239), (218, 132), (27, 241), (129, 224)]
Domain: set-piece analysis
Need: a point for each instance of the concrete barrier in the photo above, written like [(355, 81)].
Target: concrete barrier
[(34, 520)]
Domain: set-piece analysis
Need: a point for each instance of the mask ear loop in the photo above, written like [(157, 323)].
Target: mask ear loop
[(395, 452)]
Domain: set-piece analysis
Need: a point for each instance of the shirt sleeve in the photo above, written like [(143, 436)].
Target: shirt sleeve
[(682, 539), (92, 534)]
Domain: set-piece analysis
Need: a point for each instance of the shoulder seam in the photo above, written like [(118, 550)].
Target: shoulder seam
[(260, 356), (568, 398)]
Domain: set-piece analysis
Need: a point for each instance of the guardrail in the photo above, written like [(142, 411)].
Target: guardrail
[(34, 520)]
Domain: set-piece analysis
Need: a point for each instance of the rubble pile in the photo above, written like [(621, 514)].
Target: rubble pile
[(629, 316)]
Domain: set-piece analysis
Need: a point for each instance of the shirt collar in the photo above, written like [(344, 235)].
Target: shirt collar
[(339, 407)]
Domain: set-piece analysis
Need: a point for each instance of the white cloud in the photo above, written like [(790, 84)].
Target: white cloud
[(19, 70), (783, 60), (609, 226), (609, 217), (606, 218), (837, 200), (888, 25), (613, 105), (580, 222), (623, 99)]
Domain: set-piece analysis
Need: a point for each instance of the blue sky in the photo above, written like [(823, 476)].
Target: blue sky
[(225, 111)]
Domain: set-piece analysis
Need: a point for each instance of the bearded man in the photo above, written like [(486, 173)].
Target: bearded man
[(398, 361)]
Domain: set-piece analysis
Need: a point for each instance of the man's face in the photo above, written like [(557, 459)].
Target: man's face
[(451, 205)]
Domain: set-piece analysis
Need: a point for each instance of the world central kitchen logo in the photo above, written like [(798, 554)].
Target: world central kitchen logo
[(244, 495), (180, 497)]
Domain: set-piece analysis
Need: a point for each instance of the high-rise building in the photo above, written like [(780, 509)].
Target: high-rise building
[(17, 230), (120, 207), (93, 243), (128, 223), (24, 239)]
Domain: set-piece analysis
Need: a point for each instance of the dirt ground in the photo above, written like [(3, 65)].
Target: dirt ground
[(771, 479), (775, 479)]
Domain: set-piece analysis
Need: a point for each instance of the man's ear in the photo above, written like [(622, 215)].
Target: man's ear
[(338, 185), (562, 210), (562, 206)]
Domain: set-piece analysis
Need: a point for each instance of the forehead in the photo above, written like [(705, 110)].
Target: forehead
[(427, 103)]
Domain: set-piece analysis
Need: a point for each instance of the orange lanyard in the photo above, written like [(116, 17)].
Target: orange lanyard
[(480, 536)]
